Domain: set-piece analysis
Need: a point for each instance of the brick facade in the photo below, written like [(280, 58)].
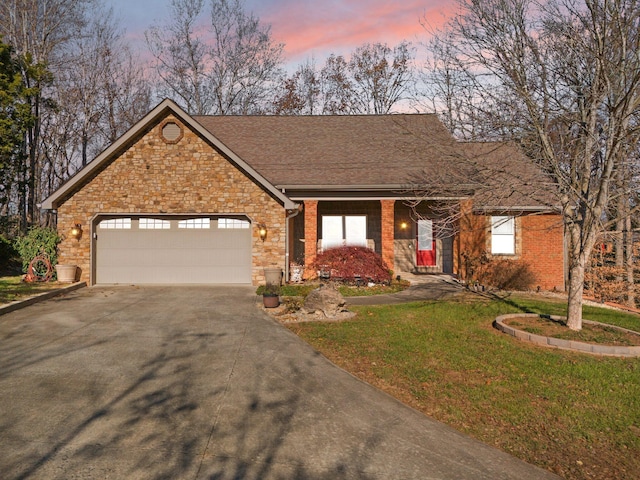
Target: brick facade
[(187, 176), (542, 239), (310, 235), (388, 232), (539, 243)]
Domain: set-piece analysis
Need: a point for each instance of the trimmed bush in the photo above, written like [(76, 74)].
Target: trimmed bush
[(349, 264), (507, 275), (38, 240)]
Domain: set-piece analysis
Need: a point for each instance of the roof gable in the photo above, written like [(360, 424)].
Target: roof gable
[(162, 110)]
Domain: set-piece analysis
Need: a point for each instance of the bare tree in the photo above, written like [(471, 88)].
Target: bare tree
[(83, 88), (375, 80), (450, 92), (230, 66), (38, 30), (301, 92), (563, 79), (381, 76), (337, 87), (98, 94)]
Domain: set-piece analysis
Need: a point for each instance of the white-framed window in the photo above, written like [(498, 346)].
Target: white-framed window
[(339, 230), (503, 235), (116, 224), (233, 223), (195, 223), (425, 235), (153, 224)]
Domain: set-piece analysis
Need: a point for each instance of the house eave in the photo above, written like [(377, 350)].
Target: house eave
[(359, 192)]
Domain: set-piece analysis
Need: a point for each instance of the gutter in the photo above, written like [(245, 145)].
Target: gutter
[(516, 208), (407, 187)]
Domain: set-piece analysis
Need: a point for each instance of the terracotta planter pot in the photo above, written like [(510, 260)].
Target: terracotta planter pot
[(270, 301), (66, 273)]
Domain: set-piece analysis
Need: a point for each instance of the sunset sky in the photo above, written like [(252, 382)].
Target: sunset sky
[(312, 28)]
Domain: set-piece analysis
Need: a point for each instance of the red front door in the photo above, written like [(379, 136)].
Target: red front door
[(426, 250)]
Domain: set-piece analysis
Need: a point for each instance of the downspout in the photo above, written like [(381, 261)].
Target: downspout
[(287, 245)]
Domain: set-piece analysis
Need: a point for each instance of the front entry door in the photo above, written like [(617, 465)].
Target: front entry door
[(426, 251)]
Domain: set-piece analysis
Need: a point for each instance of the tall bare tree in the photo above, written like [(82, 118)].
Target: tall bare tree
[(229, 65), (301, 92), (382, 76), (38, 30), (98, 93), (375, 79), (85, 89), (562, 78), (337, 87)]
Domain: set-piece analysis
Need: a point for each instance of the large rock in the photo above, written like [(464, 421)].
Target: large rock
[(326, 300)]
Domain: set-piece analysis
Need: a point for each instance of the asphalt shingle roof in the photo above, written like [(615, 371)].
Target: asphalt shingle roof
[(403, 150), (354, 150)]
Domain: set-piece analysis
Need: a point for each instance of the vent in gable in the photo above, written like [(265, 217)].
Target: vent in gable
[(171, 132)]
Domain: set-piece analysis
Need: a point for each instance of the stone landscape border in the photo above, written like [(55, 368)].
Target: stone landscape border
[(593, 349)]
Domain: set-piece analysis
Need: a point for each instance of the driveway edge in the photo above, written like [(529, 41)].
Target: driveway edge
[(18, 304)]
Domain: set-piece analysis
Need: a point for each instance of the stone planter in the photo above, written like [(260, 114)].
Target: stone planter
[(273, 276), (66, 273)]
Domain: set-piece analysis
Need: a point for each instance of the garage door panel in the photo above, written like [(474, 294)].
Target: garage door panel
[(177, 255)]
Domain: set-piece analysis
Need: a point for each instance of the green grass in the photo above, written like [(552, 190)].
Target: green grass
[(13, 288), (303, 290), (574, 414)]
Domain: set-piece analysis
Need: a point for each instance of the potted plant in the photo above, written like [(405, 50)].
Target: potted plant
[(66, 273), (271, 295)]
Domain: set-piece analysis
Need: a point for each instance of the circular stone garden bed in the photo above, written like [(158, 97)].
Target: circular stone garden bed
[(545, 330)]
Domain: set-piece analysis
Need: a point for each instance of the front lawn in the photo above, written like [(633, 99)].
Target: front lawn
[(13, 288), (303, 289), (574, 414)]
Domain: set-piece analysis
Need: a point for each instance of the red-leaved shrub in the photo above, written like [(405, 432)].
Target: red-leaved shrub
[(352, 263)]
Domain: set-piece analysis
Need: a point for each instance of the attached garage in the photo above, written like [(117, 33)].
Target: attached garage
[(172, 249)]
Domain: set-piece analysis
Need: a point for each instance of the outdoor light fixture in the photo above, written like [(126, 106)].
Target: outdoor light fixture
[(262, 231), (76, 231), (403, 225)]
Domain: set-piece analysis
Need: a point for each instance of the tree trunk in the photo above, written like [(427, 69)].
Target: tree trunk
[(631, 286), (574, 300)]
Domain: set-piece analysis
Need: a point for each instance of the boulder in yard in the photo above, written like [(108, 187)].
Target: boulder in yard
[(325, 299)]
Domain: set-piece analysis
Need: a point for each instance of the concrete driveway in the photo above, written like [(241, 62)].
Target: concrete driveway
[(196, 382)]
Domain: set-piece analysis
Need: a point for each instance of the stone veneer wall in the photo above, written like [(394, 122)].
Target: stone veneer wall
[(189, 176)]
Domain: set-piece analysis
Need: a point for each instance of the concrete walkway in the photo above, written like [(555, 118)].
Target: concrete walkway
[(423, 287), (198, 383)]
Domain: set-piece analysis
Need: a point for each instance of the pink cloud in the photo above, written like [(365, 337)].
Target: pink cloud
[(320, 28), (311, 28)]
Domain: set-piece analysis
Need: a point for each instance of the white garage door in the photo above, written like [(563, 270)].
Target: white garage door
[(171, 250)]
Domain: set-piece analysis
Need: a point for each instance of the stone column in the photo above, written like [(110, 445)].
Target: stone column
[(388, 232)]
